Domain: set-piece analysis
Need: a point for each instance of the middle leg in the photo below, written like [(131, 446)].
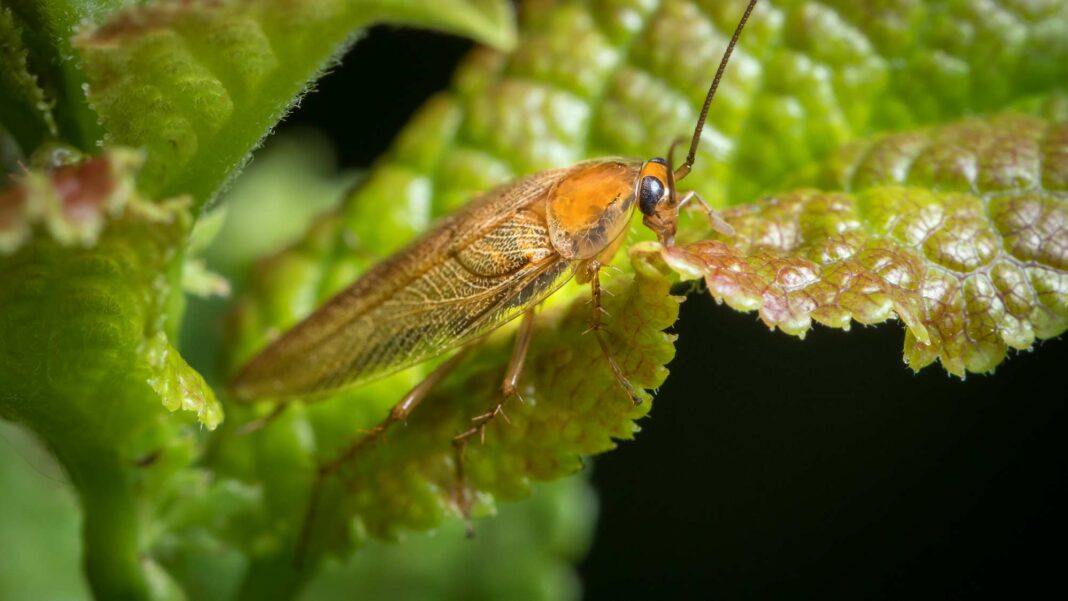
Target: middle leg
[(508, 386), (480, 422)]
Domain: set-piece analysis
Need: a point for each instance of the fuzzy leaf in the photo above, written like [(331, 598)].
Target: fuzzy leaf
[(961, 232), (198, 84), (84, 355)]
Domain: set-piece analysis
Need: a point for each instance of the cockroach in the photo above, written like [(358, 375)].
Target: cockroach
[(491, 262)]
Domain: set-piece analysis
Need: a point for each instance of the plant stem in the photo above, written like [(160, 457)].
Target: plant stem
[(110, 531)]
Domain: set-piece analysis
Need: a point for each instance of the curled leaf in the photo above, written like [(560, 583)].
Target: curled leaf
[(88, 285), (57, 109), (198, 84), (961, 232)]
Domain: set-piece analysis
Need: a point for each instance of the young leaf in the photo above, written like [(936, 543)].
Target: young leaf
[(89, 280), (961, 232), (199, 84)]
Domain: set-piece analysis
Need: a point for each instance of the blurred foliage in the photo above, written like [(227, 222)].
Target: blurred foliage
[(523, 553), (959, 230)]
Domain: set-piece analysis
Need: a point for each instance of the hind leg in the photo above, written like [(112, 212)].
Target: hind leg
[(399, 412)]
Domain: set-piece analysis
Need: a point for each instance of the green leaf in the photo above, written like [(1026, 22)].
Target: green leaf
[(523, 553), (200, 84), (85, 361), (572, 407), (588, 79), (839, 73), (40, 518), (961, 232)]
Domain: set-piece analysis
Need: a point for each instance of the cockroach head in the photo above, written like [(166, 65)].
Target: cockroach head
[(657, 196), (655, 190)]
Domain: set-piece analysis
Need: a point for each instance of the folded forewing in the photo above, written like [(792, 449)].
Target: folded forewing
[(474, 272)]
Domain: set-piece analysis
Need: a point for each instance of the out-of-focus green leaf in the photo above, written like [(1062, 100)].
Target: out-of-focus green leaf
[(199, 84), (39, 517), (961, 232), (85, 362), (293, 180), (522, 554)]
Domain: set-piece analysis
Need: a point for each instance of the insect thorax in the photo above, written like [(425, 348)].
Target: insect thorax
[(589, 208)]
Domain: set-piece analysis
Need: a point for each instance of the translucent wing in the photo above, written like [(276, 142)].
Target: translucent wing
[(474, 272)]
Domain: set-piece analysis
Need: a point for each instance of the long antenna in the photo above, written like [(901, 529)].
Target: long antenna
[(692, 155)]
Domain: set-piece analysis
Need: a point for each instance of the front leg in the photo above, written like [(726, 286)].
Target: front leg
[(593, 273), (714, 218)]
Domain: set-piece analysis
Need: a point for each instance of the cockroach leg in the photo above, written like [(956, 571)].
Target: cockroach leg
[(508, 385), (597, 311), (399, 412), (480, 422), (519, 356), (714, 218)]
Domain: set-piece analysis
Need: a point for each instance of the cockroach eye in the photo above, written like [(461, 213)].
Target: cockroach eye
[(652, 189)]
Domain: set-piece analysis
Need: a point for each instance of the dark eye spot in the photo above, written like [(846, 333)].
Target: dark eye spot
[(649, 194)]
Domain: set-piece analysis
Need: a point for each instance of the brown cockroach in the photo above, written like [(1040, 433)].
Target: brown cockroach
[(493, 261)]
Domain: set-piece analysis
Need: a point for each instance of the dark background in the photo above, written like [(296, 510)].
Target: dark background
[(776, 467)]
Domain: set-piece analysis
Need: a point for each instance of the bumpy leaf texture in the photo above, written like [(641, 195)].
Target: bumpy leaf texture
[(75, 233), (960, 231), (84, 355), (198, 84), (594, 79)]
